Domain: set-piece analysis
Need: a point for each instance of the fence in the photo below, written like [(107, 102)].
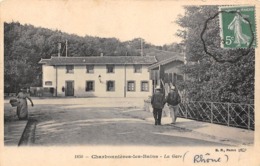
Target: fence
[(230, 114), (42, 91)]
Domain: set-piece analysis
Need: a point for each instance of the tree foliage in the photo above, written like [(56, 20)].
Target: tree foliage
[(207, 79), (25, 45)]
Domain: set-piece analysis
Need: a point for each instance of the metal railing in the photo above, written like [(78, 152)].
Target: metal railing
[(230, 114)]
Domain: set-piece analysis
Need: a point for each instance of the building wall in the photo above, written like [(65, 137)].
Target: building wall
[(137, 78), (121, 75), (48, 74)]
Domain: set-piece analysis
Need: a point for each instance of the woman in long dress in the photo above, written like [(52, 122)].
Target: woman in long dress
[(22, 107), (235, 25)]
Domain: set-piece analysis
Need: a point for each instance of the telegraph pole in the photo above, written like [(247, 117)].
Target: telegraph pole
[(59, 47), (142, 53), (66, 47), (184, 75)]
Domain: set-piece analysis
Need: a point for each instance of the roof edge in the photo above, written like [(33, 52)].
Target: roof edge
[(49, 61), (166, 61)]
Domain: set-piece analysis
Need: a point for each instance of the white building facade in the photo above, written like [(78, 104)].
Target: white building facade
[(104, 76)]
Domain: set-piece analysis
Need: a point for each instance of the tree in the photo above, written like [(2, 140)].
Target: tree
[(25, 45), (209, 79)]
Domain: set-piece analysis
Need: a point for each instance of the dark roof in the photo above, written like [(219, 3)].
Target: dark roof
[(164, 62), (99, 60), (162, 55), (42, 61)]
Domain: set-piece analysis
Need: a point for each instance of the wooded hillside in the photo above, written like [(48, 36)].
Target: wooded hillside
[(25, 45)]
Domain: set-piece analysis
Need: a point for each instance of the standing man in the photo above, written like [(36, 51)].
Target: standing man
[(173, 100), (157, 102)]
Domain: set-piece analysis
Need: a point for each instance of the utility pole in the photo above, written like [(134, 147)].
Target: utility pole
[(184, 74), (59, 47), (66, 47), (142, 53)]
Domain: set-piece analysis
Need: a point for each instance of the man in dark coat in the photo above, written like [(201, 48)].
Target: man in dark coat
[(173, 101), (158, 101)]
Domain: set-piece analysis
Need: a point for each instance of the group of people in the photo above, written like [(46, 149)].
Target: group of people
[(158, 101)]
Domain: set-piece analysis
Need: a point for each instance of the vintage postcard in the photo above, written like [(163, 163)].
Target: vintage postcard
[(137, 82)]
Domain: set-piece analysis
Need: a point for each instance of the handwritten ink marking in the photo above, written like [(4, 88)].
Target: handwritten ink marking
[(184, 156), (227, 158), (204, 159)]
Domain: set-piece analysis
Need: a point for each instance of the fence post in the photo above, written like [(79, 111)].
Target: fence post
[(186, 111), (228, 114), (248, 125), (211, 113)]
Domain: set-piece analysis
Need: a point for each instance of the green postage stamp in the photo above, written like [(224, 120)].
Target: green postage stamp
[(238, 28)]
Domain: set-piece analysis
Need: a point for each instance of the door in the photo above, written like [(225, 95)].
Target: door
[(69, 88)]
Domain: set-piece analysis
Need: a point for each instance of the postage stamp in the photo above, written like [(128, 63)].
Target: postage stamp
[(238, 28)]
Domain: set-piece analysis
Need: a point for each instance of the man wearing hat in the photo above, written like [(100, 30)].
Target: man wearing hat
[(173, 100), (157, 102)]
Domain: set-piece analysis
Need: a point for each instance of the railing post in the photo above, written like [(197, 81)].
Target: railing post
[(186, 110), (228, 115), (211, 113), (248, 125)]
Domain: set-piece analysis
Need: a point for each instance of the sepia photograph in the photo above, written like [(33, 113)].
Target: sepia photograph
[(142, 78)]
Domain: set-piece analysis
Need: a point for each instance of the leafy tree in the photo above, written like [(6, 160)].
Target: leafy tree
[(208, 79), (25, 45), (174, 47)]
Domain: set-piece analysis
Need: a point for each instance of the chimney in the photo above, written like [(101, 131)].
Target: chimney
[(101, 54)]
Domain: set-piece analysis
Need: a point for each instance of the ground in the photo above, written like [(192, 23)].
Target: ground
[(107, 121)]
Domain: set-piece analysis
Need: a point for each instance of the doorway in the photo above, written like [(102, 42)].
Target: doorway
[(69, 88)]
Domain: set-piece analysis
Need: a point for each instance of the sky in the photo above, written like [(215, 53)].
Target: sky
[(154, 21)]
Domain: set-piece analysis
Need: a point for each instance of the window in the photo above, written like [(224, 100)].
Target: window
[(90, 86), (69, 69), (110, 68), (90, 68), (130, 86), (137, 68), (49, 83), (110, 85), (144, 86)]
